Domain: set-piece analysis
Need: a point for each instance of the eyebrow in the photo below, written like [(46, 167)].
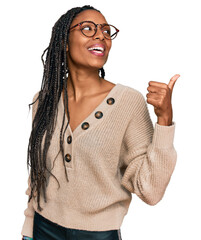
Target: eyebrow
[(93, 21)]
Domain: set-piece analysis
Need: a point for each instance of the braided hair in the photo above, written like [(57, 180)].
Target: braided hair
[(43, 122)]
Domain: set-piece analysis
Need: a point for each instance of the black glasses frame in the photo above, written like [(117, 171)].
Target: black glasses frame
[(96, 25)]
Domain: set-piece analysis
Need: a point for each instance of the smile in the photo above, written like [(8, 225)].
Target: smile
[(97, 53)]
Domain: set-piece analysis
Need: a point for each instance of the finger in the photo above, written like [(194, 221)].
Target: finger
[(153, 102), (155, 89), (157, 84), (172, 81), (154, 96)]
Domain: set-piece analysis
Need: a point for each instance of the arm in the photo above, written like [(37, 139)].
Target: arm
[(27, 229), (148, 156)]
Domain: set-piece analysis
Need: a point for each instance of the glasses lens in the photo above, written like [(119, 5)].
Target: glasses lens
[(109, 31), (88, 29)]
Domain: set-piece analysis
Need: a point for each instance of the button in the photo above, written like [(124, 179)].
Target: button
[(98, 114), (68, 157), (85, 125), (69, 139), (110, 101)]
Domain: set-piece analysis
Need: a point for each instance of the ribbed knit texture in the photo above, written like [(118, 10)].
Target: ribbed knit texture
[(119, 154)]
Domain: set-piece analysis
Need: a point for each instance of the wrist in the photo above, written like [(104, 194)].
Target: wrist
[(164, 121)]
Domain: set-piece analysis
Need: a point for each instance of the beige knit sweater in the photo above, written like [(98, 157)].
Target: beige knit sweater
[(109, 158)]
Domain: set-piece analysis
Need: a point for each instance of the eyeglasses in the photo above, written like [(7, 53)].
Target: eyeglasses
[(89, 29)]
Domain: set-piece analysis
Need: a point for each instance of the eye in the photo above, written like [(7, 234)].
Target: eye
[(107, 31), (84, 28)]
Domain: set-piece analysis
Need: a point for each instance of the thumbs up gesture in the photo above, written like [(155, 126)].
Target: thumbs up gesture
[(159, 96)]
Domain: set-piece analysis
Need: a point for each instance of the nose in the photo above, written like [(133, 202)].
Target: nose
[(99, 33)]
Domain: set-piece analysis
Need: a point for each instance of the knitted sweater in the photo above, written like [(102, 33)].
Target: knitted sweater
[(113, 153)]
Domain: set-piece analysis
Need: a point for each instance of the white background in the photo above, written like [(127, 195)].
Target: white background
[(157, 39)]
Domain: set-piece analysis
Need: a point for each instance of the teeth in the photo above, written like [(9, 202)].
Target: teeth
[(96, 48)]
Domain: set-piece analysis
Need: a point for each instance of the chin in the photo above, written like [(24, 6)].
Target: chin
[(97, 67)]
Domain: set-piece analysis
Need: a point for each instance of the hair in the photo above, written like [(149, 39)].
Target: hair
[(43, 123)]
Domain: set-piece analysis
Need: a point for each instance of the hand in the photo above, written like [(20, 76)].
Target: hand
[(159, 96)]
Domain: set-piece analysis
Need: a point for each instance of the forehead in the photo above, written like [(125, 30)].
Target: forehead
[(89, 15)]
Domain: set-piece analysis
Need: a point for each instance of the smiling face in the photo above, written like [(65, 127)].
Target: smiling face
[(78, 55)]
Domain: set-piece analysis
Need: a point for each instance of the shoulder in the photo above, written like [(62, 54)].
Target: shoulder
[(36, 95), (134, 102), (132, 95), (35, 101)]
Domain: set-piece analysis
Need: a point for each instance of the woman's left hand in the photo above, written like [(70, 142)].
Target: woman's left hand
[(160, 97)]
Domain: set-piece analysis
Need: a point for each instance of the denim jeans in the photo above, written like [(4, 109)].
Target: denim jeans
[(44, 229)]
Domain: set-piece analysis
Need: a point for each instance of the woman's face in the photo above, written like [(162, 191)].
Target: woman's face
[(78, 55)]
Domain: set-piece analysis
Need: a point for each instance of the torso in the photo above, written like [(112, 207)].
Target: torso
[(81, 110)]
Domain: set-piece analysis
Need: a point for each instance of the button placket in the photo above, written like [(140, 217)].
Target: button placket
[(92, 118), (89, 122), (98, 114), (84, 126), (68, 149)]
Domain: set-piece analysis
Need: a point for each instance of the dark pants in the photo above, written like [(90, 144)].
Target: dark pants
[(44, 229)]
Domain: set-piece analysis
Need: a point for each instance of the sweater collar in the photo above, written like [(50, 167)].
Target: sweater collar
[(94, 117)]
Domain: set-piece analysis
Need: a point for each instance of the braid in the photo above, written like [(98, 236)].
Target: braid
[(44, 120), (102, 72)]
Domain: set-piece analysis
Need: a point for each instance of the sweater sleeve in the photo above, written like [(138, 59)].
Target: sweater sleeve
[(148, 155), (27, 229)]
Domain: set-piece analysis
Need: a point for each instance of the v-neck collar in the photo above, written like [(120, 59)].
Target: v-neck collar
[(91, 119)]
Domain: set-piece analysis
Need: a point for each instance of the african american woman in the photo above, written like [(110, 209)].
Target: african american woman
[(92, 142)]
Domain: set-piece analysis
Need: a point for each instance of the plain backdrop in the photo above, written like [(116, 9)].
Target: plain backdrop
[(157, 39)]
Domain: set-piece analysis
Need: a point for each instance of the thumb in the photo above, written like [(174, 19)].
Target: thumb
[(172, 81)]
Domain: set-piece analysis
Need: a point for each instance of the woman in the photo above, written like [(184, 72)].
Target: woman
[(92, 142)]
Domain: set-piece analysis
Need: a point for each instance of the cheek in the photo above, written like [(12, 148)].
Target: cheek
[(109, 45), (77, 49), (76, 53)]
